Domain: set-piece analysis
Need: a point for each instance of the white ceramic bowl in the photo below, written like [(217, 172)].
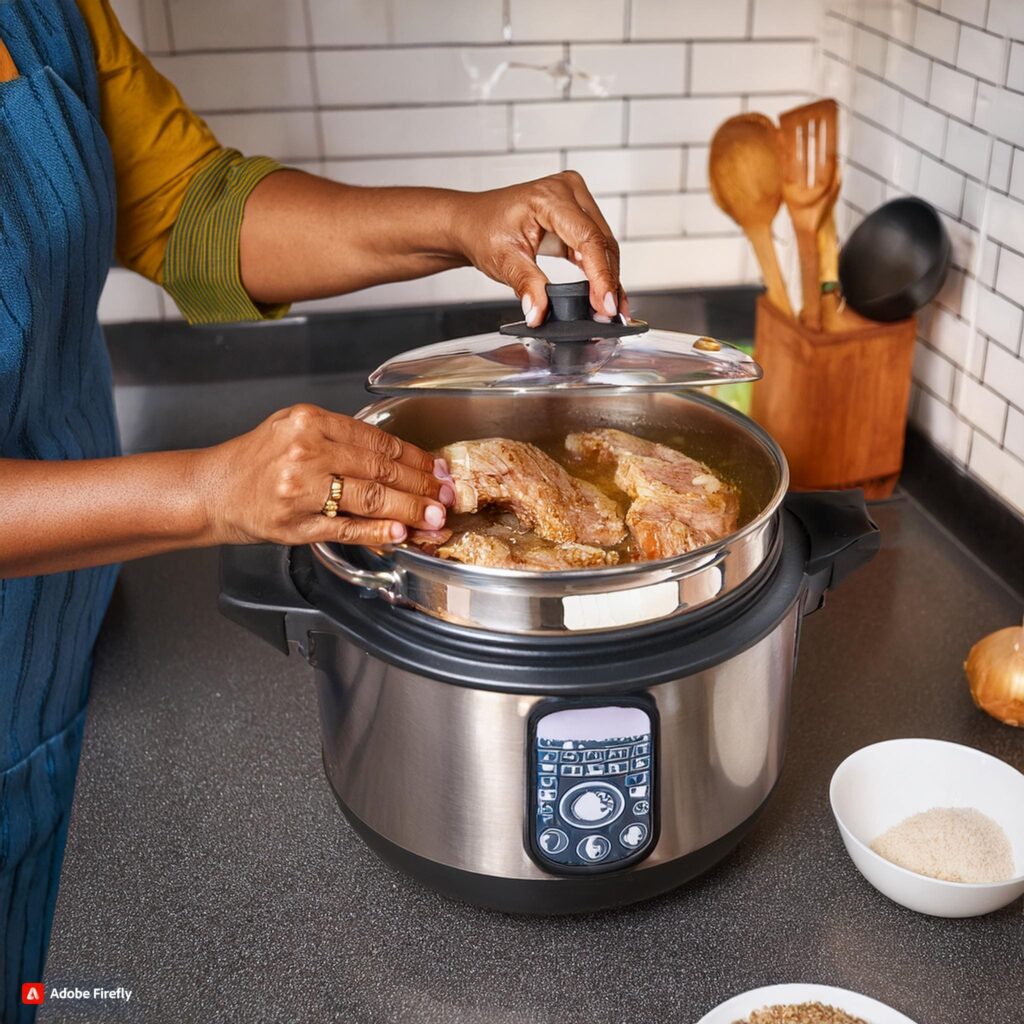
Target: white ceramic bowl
[(879, 786), (741, 1006)]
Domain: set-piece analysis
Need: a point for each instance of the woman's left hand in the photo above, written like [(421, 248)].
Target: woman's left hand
[(502, 232)]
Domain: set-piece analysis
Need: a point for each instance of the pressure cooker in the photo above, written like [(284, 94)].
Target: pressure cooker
[(560, 741)]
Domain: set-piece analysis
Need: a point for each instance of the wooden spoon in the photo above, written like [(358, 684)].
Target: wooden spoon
[(746, 182), (810, 184)]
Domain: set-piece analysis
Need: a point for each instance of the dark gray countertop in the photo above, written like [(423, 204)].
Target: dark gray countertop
[(209, 869)]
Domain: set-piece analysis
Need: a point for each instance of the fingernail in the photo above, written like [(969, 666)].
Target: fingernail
[(434, 516), (398, 531), (527, 307), (598, 318), (533, 317), (441, 470), (447, 495), (578, 255), (610, 305)]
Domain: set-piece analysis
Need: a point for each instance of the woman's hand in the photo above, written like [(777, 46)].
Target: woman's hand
[(271, 484), (502, 232)]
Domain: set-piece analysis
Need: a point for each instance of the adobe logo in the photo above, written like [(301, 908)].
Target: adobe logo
[(32, 993)]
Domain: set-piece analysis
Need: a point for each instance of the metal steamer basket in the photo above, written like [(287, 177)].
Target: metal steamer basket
[(558, 742)]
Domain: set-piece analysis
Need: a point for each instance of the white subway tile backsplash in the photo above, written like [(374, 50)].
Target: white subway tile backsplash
[(999, 469), (129, 14), (942, 425), (981, 407), (876, 100), (127, 297), (989, 263), (981, 54), (790, 18), (567, 124), (750, 67), (907, 70), (694, 213), (907, 168), (936, 35), (776, 103), (1000, 319), (1001, 112), (664, 263), (628, 170), (934, 371), (1013, 439), (1004, 373), (236, 25), (1006, 17), (468, 173), (1010, 277), (975, 197), (952, 91), (633, 69), (256, 80), (283, 134), (971, 11), (697, 168), (349, 22), (871, 52), (864, 190), (999, 166), (156, 26), (688, 19), (567, 19), (1015, 69), (414, 130), (1006, 223), (951, 336), (940, 185), (381, 77), (456, 21), (967, 149), (663, 121), (1016, 186), (923, 126)]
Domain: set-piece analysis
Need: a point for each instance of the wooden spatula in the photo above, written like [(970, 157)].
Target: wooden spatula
[(810, 184), (743, 169)]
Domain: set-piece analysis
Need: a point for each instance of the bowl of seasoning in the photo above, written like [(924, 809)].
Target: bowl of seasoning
[(803, 1004), (935, 826)]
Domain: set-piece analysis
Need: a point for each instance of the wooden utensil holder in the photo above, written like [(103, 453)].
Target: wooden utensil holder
[(836, 402)]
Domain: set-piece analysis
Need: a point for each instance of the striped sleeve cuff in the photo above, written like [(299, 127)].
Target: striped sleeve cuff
[(201, 271)]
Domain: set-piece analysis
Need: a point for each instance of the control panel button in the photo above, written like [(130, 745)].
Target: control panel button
[(572, 769), (547, 794), (641, 749), (570, 756), (618, 754), (595, 769), (632, 836), (636, 780), (593, 849), (553, 841), (548, 757), (641, 762), (641, 807), (638, 791), (548, 781), (591, 805), (617, 767), (593, 755)]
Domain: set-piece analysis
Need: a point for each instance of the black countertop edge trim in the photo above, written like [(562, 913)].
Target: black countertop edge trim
[(974, 517)]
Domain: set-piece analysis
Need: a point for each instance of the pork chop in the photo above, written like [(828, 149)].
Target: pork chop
[(496, 552), (518, 476), (678, 505)]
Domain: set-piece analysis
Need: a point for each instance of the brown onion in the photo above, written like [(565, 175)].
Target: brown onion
[(995, 671)]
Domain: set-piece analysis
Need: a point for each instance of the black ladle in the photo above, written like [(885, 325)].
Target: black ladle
[(896, 261)]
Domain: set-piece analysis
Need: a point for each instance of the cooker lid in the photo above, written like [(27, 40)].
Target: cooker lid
[(571, 351)]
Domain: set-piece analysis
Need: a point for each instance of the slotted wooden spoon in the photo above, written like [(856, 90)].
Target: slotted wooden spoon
[(810, 184), (746, 182)]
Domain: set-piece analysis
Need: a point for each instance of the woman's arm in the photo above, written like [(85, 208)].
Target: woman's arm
[(305, 237), (267, 485)]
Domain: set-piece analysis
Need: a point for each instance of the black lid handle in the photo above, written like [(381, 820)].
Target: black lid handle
[(569, 301)]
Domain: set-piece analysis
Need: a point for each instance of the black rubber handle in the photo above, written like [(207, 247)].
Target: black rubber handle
[(257, 592), (841, 537), (569, 301)]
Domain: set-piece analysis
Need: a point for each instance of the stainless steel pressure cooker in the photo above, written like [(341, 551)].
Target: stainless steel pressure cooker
[(556, 742)]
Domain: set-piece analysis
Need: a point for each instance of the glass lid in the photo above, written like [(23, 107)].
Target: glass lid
[(569, 351)]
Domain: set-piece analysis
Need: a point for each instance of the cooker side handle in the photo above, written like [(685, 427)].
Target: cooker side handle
[(257, 592), (841, 537)]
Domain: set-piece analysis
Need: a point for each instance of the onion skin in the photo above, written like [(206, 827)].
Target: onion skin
[(995, 671)]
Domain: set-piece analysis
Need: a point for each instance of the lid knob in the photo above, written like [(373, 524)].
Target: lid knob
[(569, 301)]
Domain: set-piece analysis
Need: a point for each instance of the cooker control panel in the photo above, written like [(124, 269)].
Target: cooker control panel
[(592, 785)]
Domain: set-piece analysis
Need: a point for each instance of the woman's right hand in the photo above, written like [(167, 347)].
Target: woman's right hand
[(271, 484)]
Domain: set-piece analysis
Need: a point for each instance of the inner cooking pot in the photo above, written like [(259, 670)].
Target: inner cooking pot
[(608, 597)]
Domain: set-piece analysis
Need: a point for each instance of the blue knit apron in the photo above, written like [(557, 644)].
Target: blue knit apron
[(56, 240)]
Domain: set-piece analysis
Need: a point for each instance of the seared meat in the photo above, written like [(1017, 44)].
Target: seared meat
[(518, 476), (497, 552), (678, 503), (429, 540)]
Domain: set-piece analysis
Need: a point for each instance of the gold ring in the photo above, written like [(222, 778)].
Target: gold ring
[(331, 505)]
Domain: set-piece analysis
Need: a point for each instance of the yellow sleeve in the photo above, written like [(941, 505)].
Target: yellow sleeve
[(163, 153)]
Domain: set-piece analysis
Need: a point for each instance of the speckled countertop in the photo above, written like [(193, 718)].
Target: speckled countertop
[(209, 869)]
